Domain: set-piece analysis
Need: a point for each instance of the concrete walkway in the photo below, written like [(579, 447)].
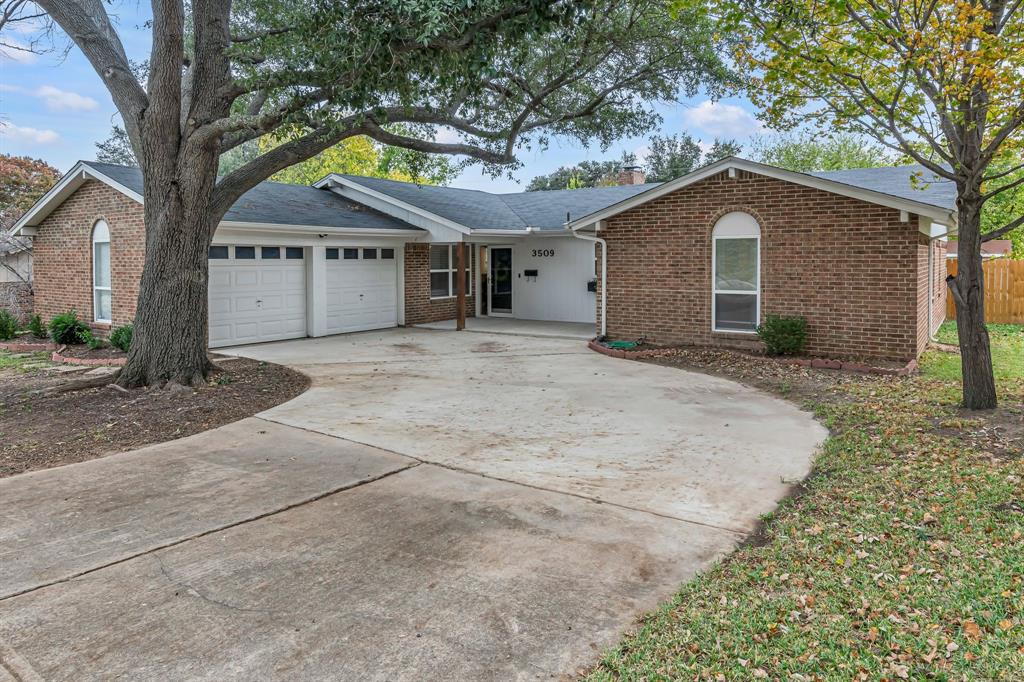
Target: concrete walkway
[(513, 327), (438, 506)]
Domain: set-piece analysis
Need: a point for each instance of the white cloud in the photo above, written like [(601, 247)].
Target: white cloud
[(446, 135), (16, 51), (26, 134), (62, 100), (722, 120)]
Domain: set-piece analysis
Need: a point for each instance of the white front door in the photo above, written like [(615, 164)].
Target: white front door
[(362, 289), (257, 293)]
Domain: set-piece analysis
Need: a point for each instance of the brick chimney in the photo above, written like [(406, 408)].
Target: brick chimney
[(631, 175)]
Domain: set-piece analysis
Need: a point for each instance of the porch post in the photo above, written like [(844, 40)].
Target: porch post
[(460, 288)]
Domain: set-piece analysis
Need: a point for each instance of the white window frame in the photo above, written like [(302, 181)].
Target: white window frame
[(452, 270), (101, 235), (735, 225)]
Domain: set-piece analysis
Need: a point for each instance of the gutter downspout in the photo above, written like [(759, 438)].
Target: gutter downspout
[(604, 276)]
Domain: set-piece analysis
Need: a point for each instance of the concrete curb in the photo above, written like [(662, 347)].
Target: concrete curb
[(816, 363), (92, 362), (22, 347)]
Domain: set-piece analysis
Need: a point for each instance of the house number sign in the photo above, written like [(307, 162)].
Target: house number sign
[(543, 253)]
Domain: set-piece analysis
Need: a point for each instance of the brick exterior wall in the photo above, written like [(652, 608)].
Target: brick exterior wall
[(419, 307), (849, 267), (63, 254), (935, 269)]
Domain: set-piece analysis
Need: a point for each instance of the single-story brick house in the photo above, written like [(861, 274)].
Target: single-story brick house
[(701, 259)]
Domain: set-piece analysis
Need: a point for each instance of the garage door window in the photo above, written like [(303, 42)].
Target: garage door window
[(218, 253), (332, 254), (101, 300), (293, 253), (270, 252), (387, 254), (443, 269), (245, 253), (351, 254), (736, 264)]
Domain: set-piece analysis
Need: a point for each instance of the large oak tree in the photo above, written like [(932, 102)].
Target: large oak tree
[(940, 81), (493, 74)]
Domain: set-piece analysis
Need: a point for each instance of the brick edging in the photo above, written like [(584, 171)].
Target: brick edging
[(21, 347), (816, 363), (101, 362)]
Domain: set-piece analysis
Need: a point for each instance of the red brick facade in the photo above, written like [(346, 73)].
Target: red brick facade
[(63, 254), (419, 307), (851, 268)]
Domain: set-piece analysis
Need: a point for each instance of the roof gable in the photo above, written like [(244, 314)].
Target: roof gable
[(936, 204)]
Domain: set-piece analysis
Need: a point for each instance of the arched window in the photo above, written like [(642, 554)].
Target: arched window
[(101, 311), (736, 273)]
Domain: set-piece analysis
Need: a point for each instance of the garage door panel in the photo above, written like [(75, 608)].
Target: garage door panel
[(254, 301), (361, 295)]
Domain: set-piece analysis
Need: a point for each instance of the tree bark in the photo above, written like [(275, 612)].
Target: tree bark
[(170, 335), (968, 290)]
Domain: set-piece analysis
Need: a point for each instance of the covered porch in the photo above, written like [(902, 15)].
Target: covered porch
[(515, 327)]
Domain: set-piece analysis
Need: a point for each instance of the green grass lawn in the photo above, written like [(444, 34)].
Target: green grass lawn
[(1007, 353), (22, 361), (901, 558)]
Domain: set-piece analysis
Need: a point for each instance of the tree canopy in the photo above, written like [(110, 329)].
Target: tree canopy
[(23, 180), (674, 156), (808, 151), (583, 174)]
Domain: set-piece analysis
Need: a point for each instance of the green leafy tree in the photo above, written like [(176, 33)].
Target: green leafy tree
[(117, 148), (939, 81), (583, 174), (812, 151), (674, 156), (497, 73)]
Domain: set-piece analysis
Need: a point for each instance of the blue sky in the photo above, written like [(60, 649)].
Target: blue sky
[(56, 108)]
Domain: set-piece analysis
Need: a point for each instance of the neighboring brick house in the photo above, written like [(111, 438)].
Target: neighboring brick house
[(699, 260)]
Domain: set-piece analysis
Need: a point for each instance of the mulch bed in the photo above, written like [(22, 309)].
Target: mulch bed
[(43, 430)]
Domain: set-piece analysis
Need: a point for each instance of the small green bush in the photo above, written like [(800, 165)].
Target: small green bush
[(121, 337), (8, 326), (66, 328), (783, 335), (36, 327)]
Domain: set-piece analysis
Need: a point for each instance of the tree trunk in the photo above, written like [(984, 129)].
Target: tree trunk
[(170, 335), (968, 290)]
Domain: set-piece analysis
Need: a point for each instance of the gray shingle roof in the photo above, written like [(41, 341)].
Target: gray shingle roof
[(280, 204), (896, 181), (517, 211)]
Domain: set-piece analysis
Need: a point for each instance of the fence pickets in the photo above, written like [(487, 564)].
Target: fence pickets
[(1004, 291)]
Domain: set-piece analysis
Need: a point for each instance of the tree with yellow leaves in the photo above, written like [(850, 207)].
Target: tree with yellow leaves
[(941, 81)]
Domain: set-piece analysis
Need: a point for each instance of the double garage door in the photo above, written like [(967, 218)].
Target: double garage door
[(259, 293)]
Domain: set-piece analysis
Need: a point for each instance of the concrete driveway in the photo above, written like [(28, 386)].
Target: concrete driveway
[(437, 506)]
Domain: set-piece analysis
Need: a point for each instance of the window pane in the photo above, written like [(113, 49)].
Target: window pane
[(736, 312), (218, 252), (439, 257), (245, 252), (736, 264), (439, 284), (101, 264), (351, 254), (369, 254), (387, 254), (268, 252), (332, 254), (293, 253), (102, 305)]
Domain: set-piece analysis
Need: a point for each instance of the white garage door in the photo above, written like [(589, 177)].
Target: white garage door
[(362, 289), (257, 293)]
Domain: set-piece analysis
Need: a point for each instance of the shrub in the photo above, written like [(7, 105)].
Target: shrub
[(36, 327), (66, 328), (783, 335), (8, 325), (121, 337)]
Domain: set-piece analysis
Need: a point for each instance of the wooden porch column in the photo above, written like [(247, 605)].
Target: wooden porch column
[(460, 288)]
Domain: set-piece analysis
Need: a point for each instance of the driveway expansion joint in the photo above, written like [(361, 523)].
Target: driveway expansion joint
[(210, 531), (739, 532)]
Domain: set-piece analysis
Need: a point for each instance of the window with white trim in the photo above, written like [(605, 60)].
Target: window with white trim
[(101, 295), (444, 267), (736, 273)]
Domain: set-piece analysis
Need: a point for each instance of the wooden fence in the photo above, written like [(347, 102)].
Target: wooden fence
[(1004, 291)]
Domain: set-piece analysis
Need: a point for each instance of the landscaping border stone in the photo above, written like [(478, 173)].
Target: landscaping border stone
[(26, 347), (67, 360), (816, 363)]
